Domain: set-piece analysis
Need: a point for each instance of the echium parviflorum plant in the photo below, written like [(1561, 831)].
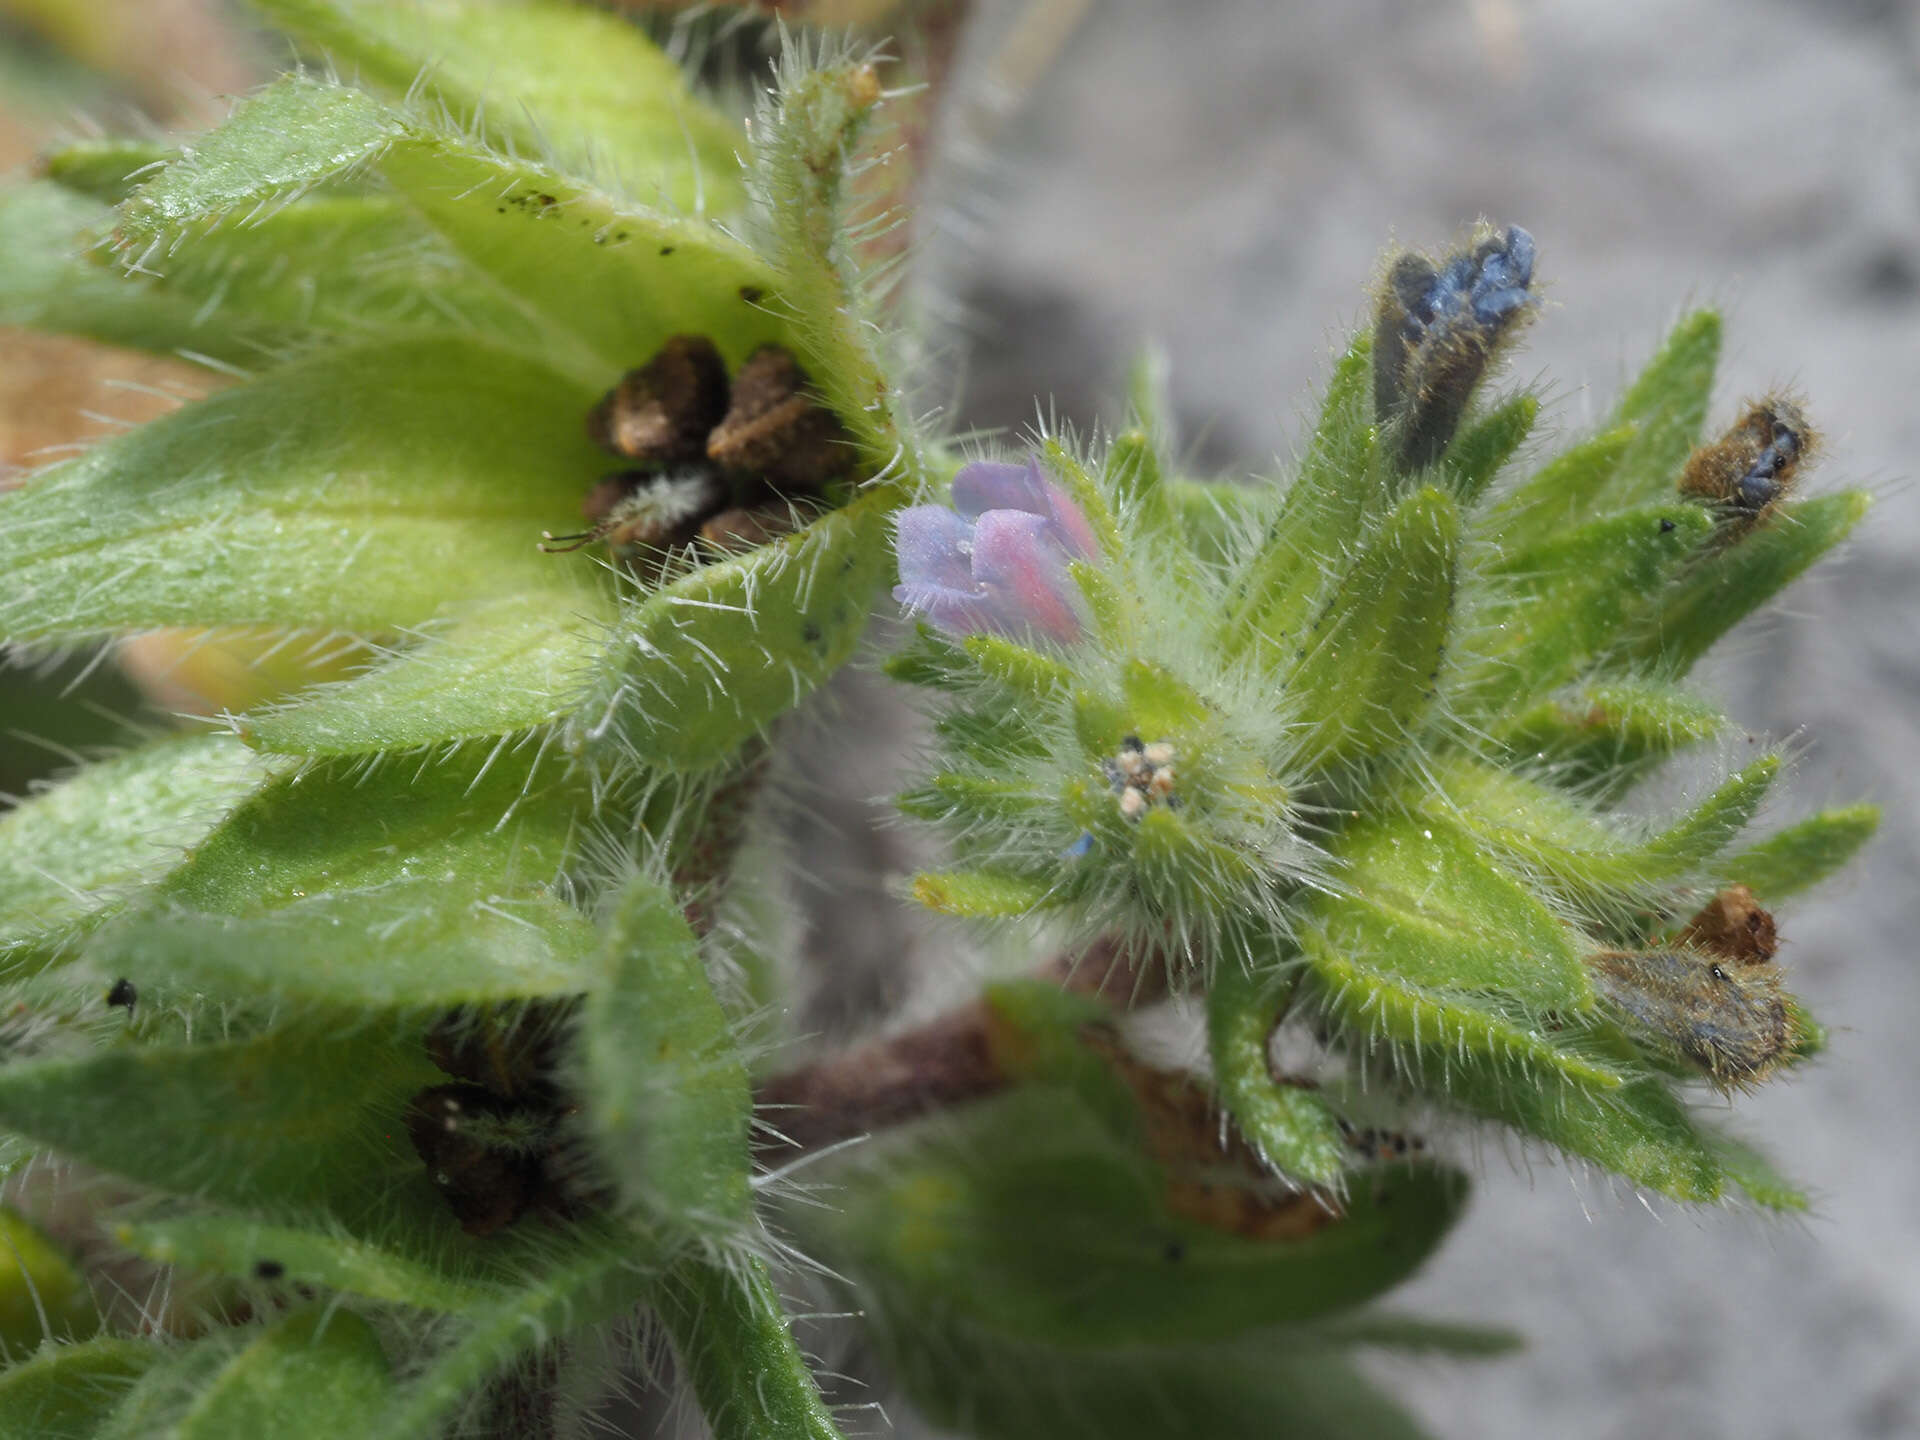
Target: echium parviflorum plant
[(407, 1055)]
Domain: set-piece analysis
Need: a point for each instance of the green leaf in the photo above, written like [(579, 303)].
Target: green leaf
[(276, 145), (167, 1389), (106, 170), (73, 852), (665, 1091), (538, 77), (1435, 1031), (1666, 405), (1726, 586), (1419, 899), (1562, 493), (608, 279), (1280, 1387), (1292, 1128), (1578, 854), (43, 1294), (259, 505), (1028, 1216), (68, 1390), (1477, 452), (46, 284), (1801, 856), (1614, 728), (736, 1350), (1754, 1174), (319, 1371), (705, 664), (581, 1278), (1559, 603), (1321, 514), (237, 1246), (301, 1118), (979, 893), (1366, 665), (503, 668), (478, 824), (409, 944)]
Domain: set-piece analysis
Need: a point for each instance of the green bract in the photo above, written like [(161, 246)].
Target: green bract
[(418, 1017)]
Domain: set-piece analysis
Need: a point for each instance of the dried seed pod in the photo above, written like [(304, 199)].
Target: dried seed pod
[(1733, 927), (738, 528), (1752, 467), (458, 1132), (1729, 1021), (662, 412), (775, 430), (1435, 330), (638, 510)]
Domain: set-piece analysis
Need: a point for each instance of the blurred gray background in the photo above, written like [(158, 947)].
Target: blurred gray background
[(1220, 175)]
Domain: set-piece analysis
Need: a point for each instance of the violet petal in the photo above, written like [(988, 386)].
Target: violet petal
[(1017, 558)]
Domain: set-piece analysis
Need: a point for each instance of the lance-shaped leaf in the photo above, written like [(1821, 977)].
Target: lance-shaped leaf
[(980, 893), (731, 1337), (1577, 853), (1728, 585), (1801, 856), (1476, 454), (1321, 514), (1557, 604), (1561, 494), (1666, 405), (481, 824), (71, 1389), (260, 506), (1289, 1385), (507, 667), (665, 1092), (108, 169), (168, 1387), (1029, 1217), (1367, 663), (395, 1266), (408, 944), (1291, 1126), (318, 1372), (304, 1118), (46, 283), (277, 145), (610, 280), (538, 77), (1419, 899), (581, 1277), (43, 1294), (1609, 729), (74, 851), (697, 668)]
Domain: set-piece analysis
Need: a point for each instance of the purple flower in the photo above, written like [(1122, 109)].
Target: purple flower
[(996, 562)]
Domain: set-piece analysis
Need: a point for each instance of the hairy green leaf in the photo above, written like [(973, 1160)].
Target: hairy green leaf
[(1666, 405), (1561, 494), (543, 78), (259, 505), (1801, 856), (979, 893), (317, 1372), (69, 1390), (1609, 729), (664, 1088), (509, 666), (701, 666), (1477, 452), (1292, 1128), (74, 851), (107, 170)]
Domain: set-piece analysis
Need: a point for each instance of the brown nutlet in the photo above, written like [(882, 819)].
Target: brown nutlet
[(1733, 926), (487, 1187), (662, 413), (738, 529), (1729, 1021), (775, 430), (1753, 465)]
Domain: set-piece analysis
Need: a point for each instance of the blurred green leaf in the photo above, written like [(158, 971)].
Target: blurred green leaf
[(1476, 454), (701, 666), (1801, 856), (542, 78), (317, 1372), (665, 1092), (734, 1346), (107, 170), (979, 893), (43, 1294), (68, 1390), (506, 667), (258, 505), (1562, 493), (74, 851)]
